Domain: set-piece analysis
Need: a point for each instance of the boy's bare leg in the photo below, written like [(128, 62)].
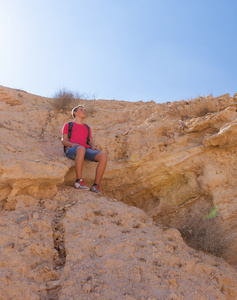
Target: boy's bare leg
[(101, 158), (79, 160)]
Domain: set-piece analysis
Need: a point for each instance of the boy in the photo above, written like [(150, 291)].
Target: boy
[(78, 149)]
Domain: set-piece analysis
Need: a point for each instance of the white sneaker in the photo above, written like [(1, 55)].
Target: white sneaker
[(96, 189), (80, 185)]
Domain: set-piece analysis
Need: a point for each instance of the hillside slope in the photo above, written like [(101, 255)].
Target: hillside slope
[(175, 161), (81, 246)]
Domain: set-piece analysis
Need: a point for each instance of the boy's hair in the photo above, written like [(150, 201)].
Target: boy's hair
[(75, 109)]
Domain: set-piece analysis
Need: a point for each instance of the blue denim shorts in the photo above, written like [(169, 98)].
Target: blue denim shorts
[(89, 155)]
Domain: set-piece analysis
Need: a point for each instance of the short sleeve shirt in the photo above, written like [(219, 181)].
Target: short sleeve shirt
[(79, 134)]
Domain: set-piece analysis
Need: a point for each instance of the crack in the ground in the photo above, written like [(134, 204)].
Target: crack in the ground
[(58, 237), (54, 288)]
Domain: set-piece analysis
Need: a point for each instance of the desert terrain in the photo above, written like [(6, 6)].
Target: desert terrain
[(166, 224)]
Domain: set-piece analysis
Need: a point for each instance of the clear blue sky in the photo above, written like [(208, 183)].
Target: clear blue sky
[(161, 50)]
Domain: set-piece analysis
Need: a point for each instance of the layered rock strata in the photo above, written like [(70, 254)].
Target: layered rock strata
[(167, 159)]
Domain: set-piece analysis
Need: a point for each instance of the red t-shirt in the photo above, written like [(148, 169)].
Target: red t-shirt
[(79, 134)]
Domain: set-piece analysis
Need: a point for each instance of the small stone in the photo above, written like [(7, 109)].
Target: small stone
[(47, 268), (21, 219), (56, 234), (10, 148), (61, 248), (11, 245), (87, 288), (35, 215), (53, 284), (173, 296)]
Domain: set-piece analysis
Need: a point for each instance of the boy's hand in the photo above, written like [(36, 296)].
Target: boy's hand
[(94, 148)]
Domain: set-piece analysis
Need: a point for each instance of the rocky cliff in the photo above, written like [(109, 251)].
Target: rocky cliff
[(170, 165)]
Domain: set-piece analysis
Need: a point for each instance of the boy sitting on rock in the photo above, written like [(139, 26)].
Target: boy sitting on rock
[(79, 145)]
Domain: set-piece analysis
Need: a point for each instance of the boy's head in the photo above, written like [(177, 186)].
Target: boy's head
[(75, 109)]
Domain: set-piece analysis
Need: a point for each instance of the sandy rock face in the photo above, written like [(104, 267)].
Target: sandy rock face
[(172, 160), (81, 246), (115, 252), (27, 250)]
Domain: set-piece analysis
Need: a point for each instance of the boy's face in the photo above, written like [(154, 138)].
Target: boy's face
[(80, 112)]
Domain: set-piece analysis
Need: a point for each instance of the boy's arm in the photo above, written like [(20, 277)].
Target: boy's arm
[(92, 145), (66, 142)]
